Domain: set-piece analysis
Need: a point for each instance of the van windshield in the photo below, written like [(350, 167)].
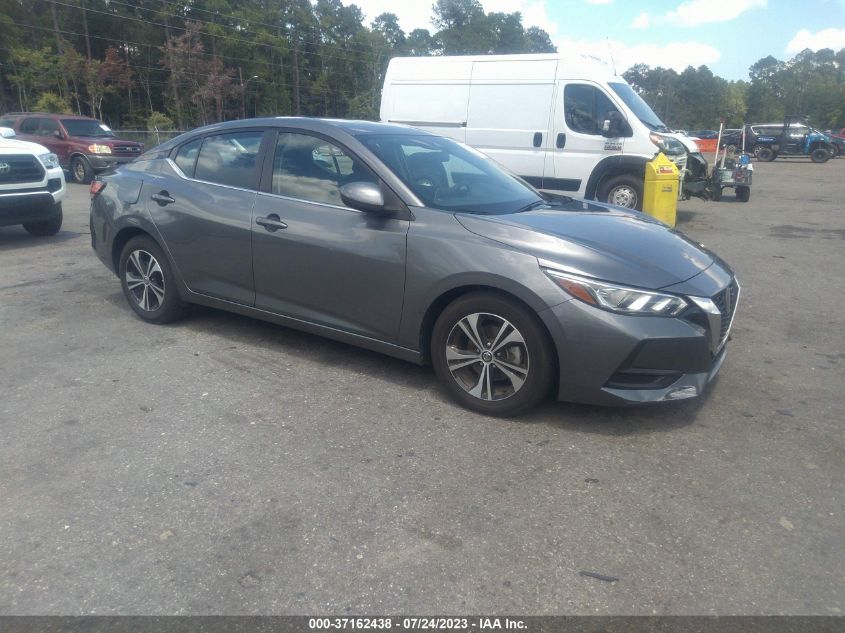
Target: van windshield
[(639, 107), (447, 175)]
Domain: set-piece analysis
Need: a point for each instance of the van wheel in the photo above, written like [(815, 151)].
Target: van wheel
[(624, 191), (80, 170), (819, 155)]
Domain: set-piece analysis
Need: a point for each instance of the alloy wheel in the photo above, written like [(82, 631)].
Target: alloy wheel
[(145, 280), (487, 356)]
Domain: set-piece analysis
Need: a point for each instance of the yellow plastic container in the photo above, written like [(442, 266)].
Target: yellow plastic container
[(660, 192)]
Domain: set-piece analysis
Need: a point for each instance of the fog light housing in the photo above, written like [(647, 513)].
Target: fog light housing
[(682, 393)]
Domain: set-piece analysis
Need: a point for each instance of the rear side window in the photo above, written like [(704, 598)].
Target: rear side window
[(229, 159), (186, 157), (29, 126), (586, 108)]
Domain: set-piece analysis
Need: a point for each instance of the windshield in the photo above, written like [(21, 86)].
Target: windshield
[(447, 175), (86, 127), (639, 107)]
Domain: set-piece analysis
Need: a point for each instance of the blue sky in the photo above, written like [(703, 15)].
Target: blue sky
[(726, 35)]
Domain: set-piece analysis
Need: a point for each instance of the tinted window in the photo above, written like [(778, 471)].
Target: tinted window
[(186, 157), (229, 159), (586, 108), (29, 126), (48, 127), (86, 127), (309, 168), (451, 176)]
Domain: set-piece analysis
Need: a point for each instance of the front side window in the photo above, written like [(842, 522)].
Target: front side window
[(229, 159), (309, 168), (586, 108), (48, 127), (447, 175), (30, 126)]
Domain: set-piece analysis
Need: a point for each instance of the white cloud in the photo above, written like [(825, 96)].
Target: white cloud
[(642, 21), (695, 12), (676, 55), (826, 38)]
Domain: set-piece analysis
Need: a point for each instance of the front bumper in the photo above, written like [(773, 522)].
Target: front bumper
[(32, 202), (104, 162), (613, 359)]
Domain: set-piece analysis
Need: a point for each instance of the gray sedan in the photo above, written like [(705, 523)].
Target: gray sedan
[(419, 247)]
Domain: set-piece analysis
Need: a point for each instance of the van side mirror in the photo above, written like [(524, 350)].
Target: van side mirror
[(363, 196), (7, 132)]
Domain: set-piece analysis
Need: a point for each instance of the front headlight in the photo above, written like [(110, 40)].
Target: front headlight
[(667, 144), (99, 149), (49, 160), (619, 299)]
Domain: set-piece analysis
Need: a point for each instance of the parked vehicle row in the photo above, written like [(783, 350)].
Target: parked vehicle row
[(84, 146), (419, 247)]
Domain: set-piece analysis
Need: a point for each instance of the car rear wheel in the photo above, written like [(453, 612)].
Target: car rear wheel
[(47, 227), (148, 282), (765, 154), (492, 354), (819, 155), (624, 190), (80, 170)]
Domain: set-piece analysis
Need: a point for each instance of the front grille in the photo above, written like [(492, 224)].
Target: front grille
[(726, 302), (126, 149), (15, 168)]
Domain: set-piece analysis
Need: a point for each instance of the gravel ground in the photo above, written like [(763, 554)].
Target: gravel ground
[(224, 465)]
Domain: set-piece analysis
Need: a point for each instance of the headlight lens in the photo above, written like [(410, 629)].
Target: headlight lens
[(49, 160), (619, 299), (667, 144), (99, 149)]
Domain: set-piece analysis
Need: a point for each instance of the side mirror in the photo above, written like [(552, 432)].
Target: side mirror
[(7, 132), (364, 196)]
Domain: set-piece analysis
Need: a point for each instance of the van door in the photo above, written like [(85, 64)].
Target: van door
[(509, 113), (578, 145)]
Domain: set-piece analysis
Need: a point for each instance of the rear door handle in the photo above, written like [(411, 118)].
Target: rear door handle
[(560, 142), (163, 198), (271, 222)]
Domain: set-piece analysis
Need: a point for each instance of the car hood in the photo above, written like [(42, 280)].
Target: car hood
[(14, 146), (599, 241)]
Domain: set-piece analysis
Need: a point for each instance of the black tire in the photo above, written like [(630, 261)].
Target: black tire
[(834, 151), (80, 170), (717, 193), (765, 154), (47, 227), (624, 190), (153, 295), (743, 193), (528, 354), (819, 155)]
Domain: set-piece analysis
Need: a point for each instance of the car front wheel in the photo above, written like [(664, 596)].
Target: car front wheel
[(492, 354), (148, 282)]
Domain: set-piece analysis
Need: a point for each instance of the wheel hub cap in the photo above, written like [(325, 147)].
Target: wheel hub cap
[(144, 280), (487, 356)]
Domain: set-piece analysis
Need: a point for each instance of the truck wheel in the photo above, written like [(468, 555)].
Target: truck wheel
[(819, 155), (624, 190), (765, 154), (834, 151), (46, 227), (743, 194), (717, 193), (80, 170)]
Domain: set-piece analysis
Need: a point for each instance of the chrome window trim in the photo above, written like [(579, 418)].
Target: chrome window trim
[(320, 204)]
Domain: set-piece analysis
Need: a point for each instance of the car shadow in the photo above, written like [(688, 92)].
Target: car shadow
[(15, 237), (246, 331)]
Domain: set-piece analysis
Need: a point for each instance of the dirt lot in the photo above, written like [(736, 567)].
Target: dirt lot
[(223, 465)]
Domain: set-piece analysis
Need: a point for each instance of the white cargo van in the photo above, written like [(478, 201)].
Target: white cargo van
[(565, 124)]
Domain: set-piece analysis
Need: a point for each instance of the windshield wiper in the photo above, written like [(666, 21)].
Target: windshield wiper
[(534, 205)]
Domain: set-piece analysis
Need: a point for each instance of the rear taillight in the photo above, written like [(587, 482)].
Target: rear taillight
[(96, 188)]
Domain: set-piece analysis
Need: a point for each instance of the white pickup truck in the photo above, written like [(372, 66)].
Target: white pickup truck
[(32, 185)]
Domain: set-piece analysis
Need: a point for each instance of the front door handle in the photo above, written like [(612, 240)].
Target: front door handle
[(272, 223), (163, 198), (561, 140), (538, 139)]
